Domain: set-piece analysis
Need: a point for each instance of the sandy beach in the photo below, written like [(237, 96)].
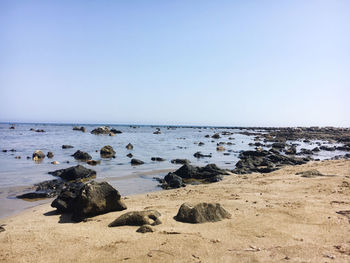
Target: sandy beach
[(276, 217)]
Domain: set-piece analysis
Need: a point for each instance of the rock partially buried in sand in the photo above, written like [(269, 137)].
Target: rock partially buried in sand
[(145, 229), (74, 173), (137, 218), (38, 156), (82, 156), (201, 213), (92, 199), (311, 173), (107, 152)]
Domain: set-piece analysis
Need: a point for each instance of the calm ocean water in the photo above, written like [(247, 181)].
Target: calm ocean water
[(170, 144)]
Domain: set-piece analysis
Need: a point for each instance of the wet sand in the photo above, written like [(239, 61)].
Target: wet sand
[(276, 217)]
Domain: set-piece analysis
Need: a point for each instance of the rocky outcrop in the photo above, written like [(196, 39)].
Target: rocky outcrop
[(82, 156), (101, 130), (74, 173), (90, 200), (137, 218), (201, 213), (107, 152)]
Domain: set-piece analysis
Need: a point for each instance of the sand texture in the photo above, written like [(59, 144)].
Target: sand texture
[(276, 217)]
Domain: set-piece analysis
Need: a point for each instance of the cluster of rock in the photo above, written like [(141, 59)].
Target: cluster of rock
[(264, 161), (105, 130), (192, 174)]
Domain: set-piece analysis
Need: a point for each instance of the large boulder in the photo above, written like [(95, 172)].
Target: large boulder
[(137, 218), (101, 130), (82, 156), (38, 156), (201, 213), (74, 173), (107, 152), (90, 200)]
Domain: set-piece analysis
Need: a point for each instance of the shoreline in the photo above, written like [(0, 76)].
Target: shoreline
[(276, 216)]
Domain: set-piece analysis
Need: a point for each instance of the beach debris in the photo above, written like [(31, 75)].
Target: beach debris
[(145, 229), (101, 130), (66, 146), (136, 162), (38, 156), (91, 199), (157, 159), (201, 213), (49, 155), (137, 218), (107, 152), (180, 161), (76, 128), (81, 156), (129, 146), (74, 173)]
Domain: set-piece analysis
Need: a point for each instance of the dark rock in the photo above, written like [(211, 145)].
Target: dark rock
[(180, 161), (311, 173), (129, 146), (18, 157), (107, 152), (115, 131), (316, 149), (216, 136), (74, 173), (157, 132), (326, 148), (81, 156), (83, 129), (90, 200), (93, 162), (145, 229), (200, 155), (136, 162), (38, 156), (173, 181), (304, 151), (207, 136), (129, 155), (291, 150), (200, 143), (65, 146), (278, 145), (188, 171), (101, 130), (157, 159), (137, 218), (34, 195), (49, 155), (39, 130), (201, 213), (12, 127)]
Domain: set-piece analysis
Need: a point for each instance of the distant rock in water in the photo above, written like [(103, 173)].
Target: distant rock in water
[(136, 162), (216, 136), (90, 200), (201, 213), (129, 146), (39, 130), (101, 130), (83, 129), (82, 156), (115, 131), (107, 152), (200, 155), (49, 155), (74, 173), (129, 155), (65, 146), (157, 132), (157, 159), (311, 173), (180, 161), (38, 156)]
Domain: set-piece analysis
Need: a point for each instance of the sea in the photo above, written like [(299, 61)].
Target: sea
[(18, 171)]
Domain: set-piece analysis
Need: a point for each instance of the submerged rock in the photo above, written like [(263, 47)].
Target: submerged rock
[(38, 155), (107, 152), (82, 156), (137, 218), (201, 213)]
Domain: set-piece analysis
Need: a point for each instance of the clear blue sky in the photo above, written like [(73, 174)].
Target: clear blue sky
[(243, 62)]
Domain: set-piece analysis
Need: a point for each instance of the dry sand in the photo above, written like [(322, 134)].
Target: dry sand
[(276, 217)]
